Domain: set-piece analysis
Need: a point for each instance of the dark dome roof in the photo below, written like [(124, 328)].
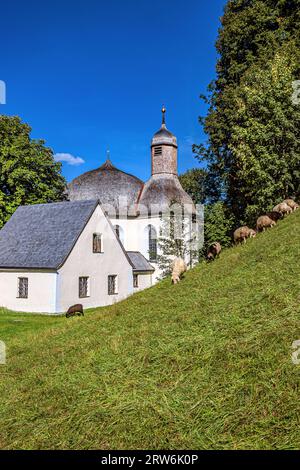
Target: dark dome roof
[(163, 132), (161, 191), (111, 186), (164, 137)]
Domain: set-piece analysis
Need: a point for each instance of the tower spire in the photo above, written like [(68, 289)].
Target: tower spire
[(163, 110), (108, 155)]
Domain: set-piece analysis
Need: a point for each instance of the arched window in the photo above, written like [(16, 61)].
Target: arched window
[(152, 243)]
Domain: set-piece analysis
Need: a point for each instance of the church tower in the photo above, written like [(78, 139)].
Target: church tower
[(164, 150), (163, 188)]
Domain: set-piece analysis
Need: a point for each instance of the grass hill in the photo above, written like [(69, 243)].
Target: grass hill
[(205, 364)]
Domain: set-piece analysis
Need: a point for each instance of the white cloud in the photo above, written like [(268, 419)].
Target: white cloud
[(68, 158)]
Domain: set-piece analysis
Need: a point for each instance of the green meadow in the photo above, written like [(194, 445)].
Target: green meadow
[(205, 364)]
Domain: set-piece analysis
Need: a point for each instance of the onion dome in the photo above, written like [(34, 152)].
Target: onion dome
[(116, 190), (164, 136), (161, 192)]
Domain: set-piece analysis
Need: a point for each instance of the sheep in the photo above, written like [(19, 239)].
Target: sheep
[(213, 251), (78, 308), (283, 208), (264, 222), (179, 267), (252, 233), (292, 204), (274, 215), (241, 234)]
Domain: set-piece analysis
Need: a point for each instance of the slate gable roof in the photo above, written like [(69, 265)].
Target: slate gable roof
[(43, 235), (139, 262)]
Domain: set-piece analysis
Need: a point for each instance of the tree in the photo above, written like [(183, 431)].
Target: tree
[(265, 139), (28, 172), (177, 238), (218, 226), (252, 124), (194, 182)]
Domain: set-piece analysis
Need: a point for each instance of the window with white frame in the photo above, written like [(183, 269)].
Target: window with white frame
[(97, 243), (23, 287), (84, 287), (112, 284), (135, 280)]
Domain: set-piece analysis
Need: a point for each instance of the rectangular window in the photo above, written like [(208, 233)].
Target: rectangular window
[(23, 288), (84, 287), (112, 285), (97, 243), (135, 280)]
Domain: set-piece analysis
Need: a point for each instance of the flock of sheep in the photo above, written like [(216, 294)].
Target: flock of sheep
[(240, 235)]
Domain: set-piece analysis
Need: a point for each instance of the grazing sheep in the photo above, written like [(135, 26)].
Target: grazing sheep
[(75, 309), (179, 267), (292, 204), (213, 251), (241, 234), (283, 208), (252, 233), (274, 215), (264, 222)]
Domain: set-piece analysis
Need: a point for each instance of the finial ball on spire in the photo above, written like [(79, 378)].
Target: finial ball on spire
[(163, 110)]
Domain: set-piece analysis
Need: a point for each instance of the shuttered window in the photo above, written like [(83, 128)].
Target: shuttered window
[(97, 243), (83, 287), (23, 288), (112, 284), (135, 280), (157, 151)]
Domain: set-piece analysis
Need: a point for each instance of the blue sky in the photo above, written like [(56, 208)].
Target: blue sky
[(91, 75)]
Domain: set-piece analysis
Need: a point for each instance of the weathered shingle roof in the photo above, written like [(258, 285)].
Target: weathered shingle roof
[(139, 262), (160, 192), (118, 191), (42, 235)]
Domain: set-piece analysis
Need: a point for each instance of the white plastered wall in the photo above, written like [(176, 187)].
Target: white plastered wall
[(41, 291), (144, 281), (97, 266), (135, 236)]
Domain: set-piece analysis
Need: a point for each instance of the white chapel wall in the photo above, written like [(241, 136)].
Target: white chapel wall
[(97, 266), (41, 291)]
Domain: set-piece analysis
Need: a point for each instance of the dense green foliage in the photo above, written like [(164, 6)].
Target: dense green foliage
[(218, 226), (28, 172), (218, 223), (176, 239), (253, 126), (194, 182), (205, 364)]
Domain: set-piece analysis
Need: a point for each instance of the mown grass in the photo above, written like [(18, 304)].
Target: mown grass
[(205, 364)]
